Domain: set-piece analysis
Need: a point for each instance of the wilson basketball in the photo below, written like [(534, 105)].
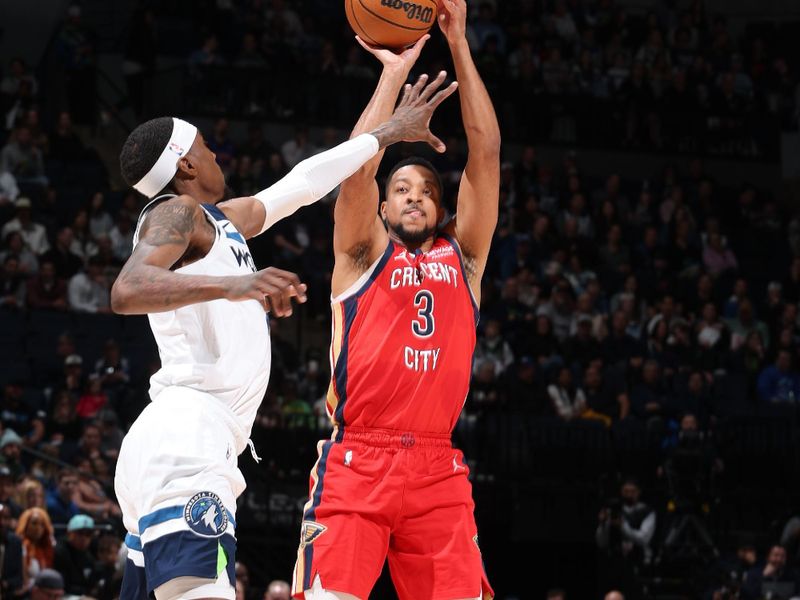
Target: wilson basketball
[(390, 23)]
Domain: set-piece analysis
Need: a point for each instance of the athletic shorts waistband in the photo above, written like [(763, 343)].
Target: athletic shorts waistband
[(392, 438)]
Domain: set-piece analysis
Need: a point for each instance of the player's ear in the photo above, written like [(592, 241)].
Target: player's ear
[(383, 210), (187, 169)]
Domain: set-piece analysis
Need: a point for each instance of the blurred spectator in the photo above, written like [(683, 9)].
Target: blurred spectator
[(627, 527), (73, 559), (66, 262), (12, 284), (649, 399), (7, 485), (774, 580), (90, 497), (298, 148), (278, 590), (92, 399), (33, 234), (83, 243), (89, 291), (15, 246), (22, 159), (121, 236), (717, 258), (779, 383), (12, 581), (60, 505), (48, 585), (556, 594), (11, 453), (100, 221), (45, 290), (65, 145), (38, 542), (569, 401), (604, 396), (614, 595), (744, 323), (492, 347)]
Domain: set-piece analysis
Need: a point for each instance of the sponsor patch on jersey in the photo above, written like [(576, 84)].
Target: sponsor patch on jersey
[(206, 515), (310, 531)]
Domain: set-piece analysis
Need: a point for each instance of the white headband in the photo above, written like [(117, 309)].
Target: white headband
[(166, 166)]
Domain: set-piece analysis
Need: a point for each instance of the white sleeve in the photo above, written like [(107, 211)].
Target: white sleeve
[(315, 177)]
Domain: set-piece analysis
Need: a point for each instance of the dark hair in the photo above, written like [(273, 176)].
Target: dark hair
[(421, 162), (143, 147)]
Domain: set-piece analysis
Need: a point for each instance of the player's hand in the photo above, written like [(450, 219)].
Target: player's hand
[(412, 117), (272, 287), (402, 61), (453, 19)]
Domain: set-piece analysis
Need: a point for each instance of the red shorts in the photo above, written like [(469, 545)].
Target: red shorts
[(380, 493)]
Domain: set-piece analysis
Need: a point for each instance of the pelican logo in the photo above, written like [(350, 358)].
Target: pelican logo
[(412, 9), (206, 515), (310, 531)]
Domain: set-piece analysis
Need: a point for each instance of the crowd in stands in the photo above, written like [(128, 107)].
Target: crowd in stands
[(564, 70), (657, 306)]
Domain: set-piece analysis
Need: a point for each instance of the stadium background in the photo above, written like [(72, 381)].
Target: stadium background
[(648, 235)]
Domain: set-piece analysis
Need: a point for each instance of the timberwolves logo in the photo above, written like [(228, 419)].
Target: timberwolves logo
[(206, 515), (310, 531)]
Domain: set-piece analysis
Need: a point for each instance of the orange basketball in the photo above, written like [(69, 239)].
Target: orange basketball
[(390, 23)]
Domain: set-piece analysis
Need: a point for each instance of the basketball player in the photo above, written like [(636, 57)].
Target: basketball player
[(405, 305), (177, 478)]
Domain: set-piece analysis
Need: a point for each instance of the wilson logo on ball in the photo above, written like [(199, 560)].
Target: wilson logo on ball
[(413, 11)]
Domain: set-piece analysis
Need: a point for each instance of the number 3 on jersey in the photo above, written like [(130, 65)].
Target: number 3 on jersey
[(423, 326)]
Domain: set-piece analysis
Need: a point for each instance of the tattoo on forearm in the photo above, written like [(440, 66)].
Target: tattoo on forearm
[(168, 224)]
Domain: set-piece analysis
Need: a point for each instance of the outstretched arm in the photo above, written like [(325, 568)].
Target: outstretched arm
[(147, 284), (479, 192), (316, 176)]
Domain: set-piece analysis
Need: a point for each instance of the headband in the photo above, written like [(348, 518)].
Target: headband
[(166, 166)]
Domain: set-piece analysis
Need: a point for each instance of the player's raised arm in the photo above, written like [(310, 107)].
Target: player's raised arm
[(318, 175), (147, 284), (479, 191), (358, 233)]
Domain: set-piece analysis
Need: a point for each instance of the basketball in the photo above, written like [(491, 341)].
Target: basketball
[(390, 23)]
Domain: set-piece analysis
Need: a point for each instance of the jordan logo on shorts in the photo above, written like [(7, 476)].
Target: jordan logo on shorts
[(206, 515), (457, 466), (310, 531)]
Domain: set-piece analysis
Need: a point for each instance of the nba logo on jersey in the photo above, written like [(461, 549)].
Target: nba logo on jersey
[(206, 515)]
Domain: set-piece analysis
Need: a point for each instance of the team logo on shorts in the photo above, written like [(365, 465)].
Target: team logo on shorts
[(206, 515), (310, 531)]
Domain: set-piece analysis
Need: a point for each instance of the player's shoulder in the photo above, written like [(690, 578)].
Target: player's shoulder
[(170, 208), (177, 214)]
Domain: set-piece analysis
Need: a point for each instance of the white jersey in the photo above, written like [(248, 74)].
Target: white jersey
[(220, 349)]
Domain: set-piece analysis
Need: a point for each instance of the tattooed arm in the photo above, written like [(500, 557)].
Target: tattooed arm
[(147, 285)]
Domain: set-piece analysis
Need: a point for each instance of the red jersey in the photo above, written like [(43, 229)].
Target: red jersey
[(402, 343)]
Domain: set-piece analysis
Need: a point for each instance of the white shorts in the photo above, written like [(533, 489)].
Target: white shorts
[(177, 481)]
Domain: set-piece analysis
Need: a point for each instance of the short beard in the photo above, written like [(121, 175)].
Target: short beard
[(410, 238)]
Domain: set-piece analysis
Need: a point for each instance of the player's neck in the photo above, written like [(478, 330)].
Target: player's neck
[(413, 246), (201, 195)]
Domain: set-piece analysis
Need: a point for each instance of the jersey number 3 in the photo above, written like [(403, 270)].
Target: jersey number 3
[(423, 326)]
